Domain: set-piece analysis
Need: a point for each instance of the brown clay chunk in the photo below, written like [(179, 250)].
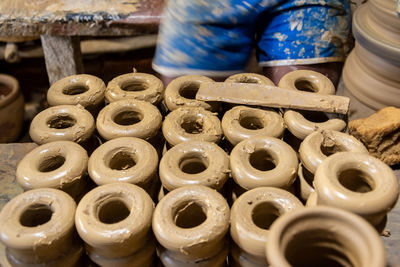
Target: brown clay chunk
[(380, 133)]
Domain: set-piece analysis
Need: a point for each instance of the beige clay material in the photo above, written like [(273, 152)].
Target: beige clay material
[(191, 124), (191, 222), (249, 78), (11, 109), (305, 182), (263, 161), (62, 123), (320, 144), (243, 122), (114, 220), (253, 213), (140, 86), (37, 226), (129, 118), (182, 91), (86, 90), (240, 258), (380, 133), (60, 165), (358, 183), (194, 163), (320, 236), (307, 80), (218, 260), (144, 257), (301, 127), (125, 159)]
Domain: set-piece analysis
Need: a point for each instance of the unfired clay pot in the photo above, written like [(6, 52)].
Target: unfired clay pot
[(243, 122), (191, 124), (194, 163), (319, 145), (86, 90), (182, 92), (114, 221), (129, 118), (191, 223), (296, 122), (140, 86), (62, 123), (11, 109), (37, 229), (358, 183), (371, 72), (324, 236), (263, 161), (252, 215), (60, 165), (125, 159)]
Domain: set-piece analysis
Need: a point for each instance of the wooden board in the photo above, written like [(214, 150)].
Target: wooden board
[(79, 17)]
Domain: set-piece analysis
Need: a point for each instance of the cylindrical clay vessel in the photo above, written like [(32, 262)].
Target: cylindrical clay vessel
[(37, 228), (324, 236), (358, 183), (140, 86), (129, 118), (11, 109), (125, 159), (60, 165), (194, 163), (62, 123), (301, 124), (241, 122), (251, 217), (191, 124), (190, 223), (263, 161), (114, 221), (182, 92), (86, 90)]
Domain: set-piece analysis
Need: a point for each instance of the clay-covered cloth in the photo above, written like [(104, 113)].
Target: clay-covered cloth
[(216, 38)]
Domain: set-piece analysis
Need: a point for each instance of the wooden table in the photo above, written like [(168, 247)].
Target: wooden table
[(59, 23)]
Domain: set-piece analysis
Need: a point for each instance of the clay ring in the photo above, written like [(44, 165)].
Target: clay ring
[(253, 213), (307, 80), (357, 182), (194, 162), (191, 124), (318, 145), (263, 161), (37, 226), (114, 219), (86, 90), (129, 118), (249, 78), (54, 165), (240, 123), (192, 221), (125, 159), (140, 86), (62, 123), (182, 92)]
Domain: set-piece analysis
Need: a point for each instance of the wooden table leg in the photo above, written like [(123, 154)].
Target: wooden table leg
[(62, 55)]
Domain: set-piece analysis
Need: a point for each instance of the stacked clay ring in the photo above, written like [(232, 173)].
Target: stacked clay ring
[(249, 78)]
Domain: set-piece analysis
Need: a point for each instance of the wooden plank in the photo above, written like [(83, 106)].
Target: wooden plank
[(62, 55), (79, 17), (271, 96)]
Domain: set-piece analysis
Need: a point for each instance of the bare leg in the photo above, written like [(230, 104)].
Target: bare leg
[(332, 70)]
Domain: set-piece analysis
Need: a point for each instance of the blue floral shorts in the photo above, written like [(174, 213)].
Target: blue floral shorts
[(216, 37)]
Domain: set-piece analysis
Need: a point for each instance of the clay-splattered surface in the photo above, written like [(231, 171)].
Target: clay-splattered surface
[(79, 17), (11, 154)]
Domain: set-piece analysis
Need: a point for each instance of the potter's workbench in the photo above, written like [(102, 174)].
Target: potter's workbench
[(59, 23)]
